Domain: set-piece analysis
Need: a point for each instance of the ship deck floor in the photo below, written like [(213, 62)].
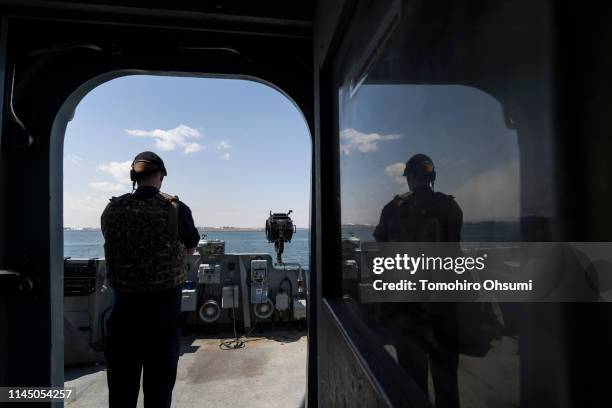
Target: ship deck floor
[(270, 371)]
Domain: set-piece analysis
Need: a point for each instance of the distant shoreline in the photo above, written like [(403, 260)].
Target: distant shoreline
[(205, 229), (466, 225)]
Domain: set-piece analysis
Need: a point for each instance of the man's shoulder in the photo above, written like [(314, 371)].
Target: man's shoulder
[(119, 198), (392, 206), (183, 208), (447, 202), (443, 197), (170, 197), (114, 200), (114, 208), (399, 199)]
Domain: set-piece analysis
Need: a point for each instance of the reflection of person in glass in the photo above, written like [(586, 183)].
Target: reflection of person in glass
[(426, 337), (421, 215)]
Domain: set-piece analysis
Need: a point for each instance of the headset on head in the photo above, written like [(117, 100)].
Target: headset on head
[(424, 168), (133, 172)]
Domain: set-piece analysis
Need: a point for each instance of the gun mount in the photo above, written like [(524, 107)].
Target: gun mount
[(279, 229)]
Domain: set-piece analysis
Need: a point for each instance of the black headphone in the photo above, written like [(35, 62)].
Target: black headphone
[(422, 166), (133, 172)]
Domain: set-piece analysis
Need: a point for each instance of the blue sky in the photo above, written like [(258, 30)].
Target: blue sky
[(234, 149), (461, 128)]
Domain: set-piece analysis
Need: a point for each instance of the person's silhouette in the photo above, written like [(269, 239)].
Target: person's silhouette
[(422, 214), (426, 338)]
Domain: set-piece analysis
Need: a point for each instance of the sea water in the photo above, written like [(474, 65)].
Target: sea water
[(90, 244)]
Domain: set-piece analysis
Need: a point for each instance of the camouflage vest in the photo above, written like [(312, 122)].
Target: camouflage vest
[(418, 217), (142, 245)]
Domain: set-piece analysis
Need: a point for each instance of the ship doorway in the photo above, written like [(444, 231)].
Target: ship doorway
[(236, 151)]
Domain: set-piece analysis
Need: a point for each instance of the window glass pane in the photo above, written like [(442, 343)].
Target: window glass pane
[(444, 137)]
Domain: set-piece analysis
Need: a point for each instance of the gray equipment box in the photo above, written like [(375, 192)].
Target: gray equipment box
[(208, 247), (299, 309), (189, 300), (247, 282), (282, 302), (259, 281), (230, 298), (87, 303), (209, 274)]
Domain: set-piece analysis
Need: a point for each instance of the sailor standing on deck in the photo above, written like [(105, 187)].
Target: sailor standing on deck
[(147, 234)]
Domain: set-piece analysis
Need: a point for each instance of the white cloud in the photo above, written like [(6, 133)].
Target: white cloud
[(83, 211), (73, 159), (106, 186), (492, 195), (396, 172), (223, 145), (170, 139), (192, 147), (225, 156), (351, 139), (119, 170)]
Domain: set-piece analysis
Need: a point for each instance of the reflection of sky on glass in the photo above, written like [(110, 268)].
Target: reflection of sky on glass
[(461, 128)]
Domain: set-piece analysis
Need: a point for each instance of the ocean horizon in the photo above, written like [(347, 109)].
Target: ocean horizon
[(89, 242)]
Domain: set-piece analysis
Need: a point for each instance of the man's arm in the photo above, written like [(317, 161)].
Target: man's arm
[(188, 232)]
